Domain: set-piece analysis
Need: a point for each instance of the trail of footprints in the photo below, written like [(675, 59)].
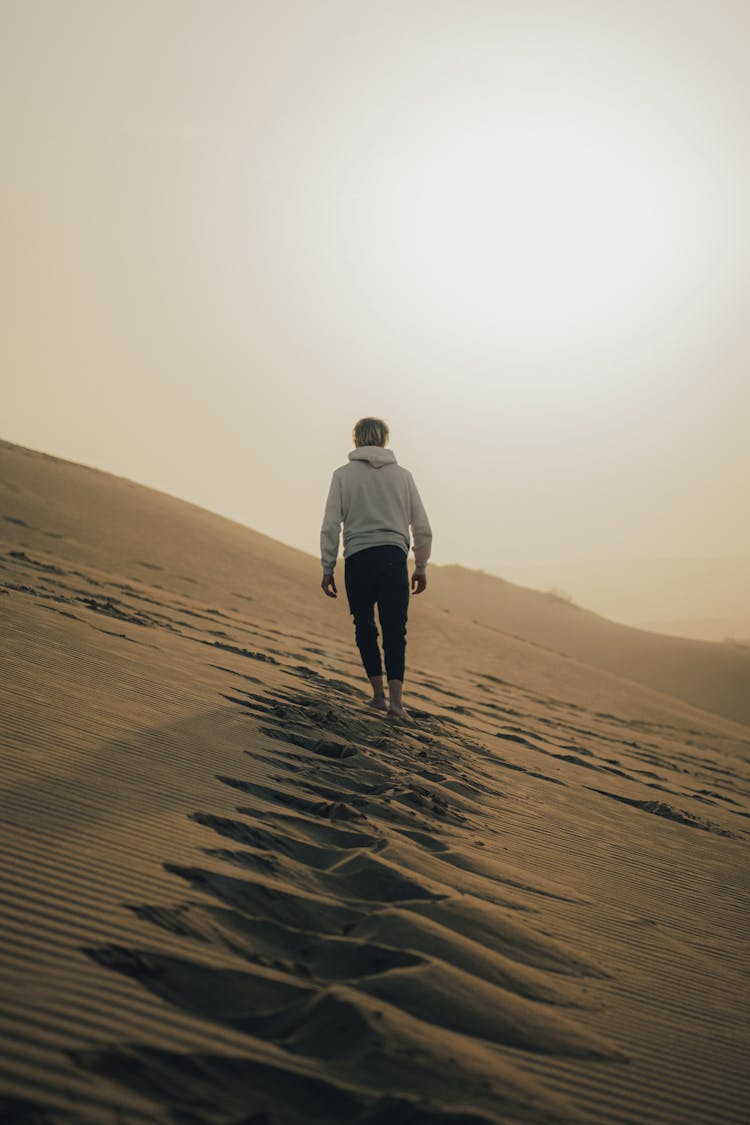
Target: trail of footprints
[(337, 889), (356, 958)]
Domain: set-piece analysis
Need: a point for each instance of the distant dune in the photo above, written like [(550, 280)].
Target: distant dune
[(709, 675), (232, 894), (705, 598), (726, 630)]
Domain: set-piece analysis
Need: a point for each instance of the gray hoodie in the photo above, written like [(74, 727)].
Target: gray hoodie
[(378, 503)]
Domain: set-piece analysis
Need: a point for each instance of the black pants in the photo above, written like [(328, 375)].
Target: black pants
[(378, 576)]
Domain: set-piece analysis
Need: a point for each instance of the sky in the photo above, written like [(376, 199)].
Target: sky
[(519, 232)]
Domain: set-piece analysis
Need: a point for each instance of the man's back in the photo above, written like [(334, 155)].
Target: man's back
[(378, 503)]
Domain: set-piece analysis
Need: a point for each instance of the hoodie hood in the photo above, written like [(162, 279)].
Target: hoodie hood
[(375, 456)]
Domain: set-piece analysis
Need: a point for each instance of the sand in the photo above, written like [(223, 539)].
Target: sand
[(233, 893)]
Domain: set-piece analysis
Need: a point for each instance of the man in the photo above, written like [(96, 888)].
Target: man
[(378, 503)]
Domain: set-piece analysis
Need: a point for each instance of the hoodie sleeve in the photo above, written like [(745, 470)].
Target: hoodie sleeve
[(420, 527), (330, 532)]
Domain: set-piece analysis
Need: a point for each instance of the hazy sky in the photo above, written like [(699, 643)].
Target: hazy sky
[(517, 231)]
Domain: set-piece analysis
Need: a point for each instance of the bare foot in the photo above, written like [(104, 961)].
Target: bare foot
[(379, 703), (396, 700)]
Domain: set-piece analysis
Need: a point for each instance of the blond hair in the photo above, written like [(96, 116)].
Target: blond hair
[(371, 431)]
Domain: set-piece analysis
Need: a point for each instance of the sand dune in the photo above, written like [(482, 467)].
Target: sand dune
[(708, 675), (728, 630), (234, 893), (706, 599)]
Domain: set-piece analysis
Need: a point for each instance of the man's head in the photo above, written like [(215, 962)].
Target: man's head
[(370, 431)]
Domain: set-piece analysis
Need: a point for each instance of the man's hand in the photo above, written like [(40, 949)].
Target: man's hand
[(328, 586), (418, 583)]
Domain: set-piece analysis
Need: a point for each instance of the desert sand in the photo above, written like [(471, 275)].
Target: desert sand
[(233, 893)]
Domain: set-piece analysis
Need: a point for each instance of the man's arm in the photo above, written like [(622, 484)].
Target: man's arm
[(330, 534), (422, 536)]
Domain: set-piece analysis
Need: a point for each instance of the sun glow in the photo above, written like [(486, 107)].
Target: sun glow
[(554, 213)]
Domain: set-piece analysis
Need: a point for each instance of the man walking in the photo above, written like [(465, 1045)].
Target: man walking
[(378, 503)]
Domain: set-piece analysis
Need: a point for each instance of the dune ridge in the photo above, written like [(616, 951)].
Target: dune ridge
[(234, 893)]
